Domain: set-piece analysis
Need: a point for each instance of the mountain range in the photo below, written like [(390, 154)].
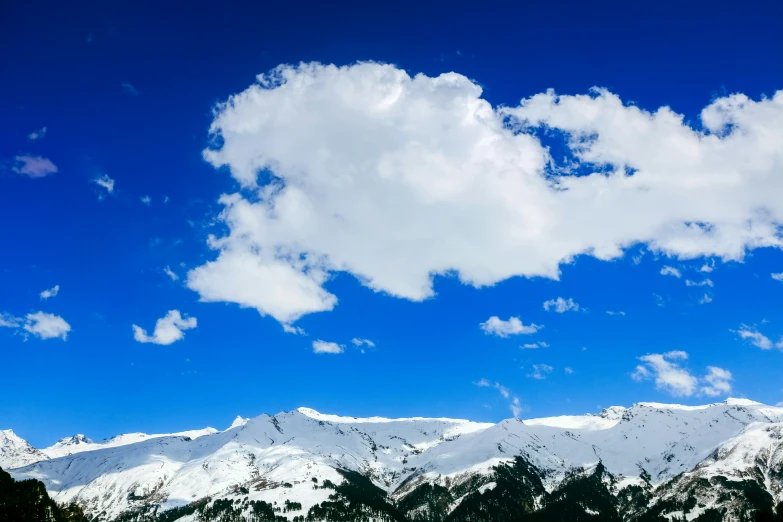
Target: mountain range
[(650, 461)]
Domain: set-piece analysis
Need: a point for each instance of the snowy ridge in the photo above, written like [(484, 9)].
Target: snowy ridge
[(80, 443), (16, 452), (273, 458)]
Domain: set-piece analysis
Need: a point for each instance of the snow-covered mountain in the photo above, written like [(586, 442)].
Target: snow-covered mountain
[(16, 452), (658, 450)]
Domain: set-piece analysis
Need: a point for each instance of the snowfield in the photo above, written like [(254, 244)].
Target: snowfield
[(287, 456)]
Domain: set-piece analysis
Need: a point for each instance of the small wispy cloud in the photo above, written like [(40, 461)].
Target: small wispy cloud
[(51, 292), (757, 339), (666, 370), (169, 272), (105, 182), (37, 135), (777, 276), (129, 89), (718, 381), (514, 326), (540, 371), (705, 299), (38, 324), (289, 328), (46, 326), (706, 282), (33, 166), (534, 346), (568, 370), (670, 271), (561, 305), (146, 200), (168, 329), (361, 343), (320, 346), (514, 404), (9, 321), (611, 312)]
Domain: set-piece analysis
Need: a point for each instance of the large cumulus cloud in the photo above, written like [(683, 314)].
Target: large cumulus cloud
[(396, 179)]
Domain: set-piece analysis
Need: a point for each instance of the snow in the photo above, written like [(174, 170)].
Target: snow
[(583, 422), (742, 402), (264, 453), (239, 421), (16, 452), (471, 426), (80, 443)]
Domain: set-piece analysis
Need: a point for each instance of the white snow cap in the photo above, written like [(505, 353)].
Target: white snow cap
[(296, 446), (239, 421)]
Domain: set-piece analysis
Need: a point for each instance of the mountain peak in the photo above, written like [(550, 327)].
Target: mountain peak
[(74, 440), (309, 412), (661, 440), (15, 451), (731, 401), (239, 421), (613, 412)]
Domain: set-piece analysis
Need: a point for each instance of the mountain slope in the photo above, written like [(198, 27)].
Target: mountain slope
[(652, 455)]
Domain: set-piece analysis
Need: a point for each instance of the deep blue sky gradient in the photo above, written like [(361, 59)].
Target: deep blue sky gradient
[(63, 66)]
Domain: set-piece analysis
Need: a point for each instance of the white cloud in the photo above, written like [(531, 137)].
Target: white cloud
[(106, 182), (287, 328), (718, 381), (9, 321), (168, 329), (37, 135), (707, 268), (561, 305), (670, 377), (286, 290), (778, 276), (169, 272), (670, 271), (129, 89), (397, 179), (705, 299), (533, 346), (516, 407), (52, 292), (706, 282), (34, 166), (46, 326), (362, 342), (610, 312), (758, 339), (540, 371), (659, 300), (514, 404), (569, 370), (146, 200), (496, 326), (320, 346)]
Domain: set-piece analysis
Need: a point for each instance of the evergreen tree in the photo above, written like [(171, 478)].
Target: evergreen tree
[(27, 501)]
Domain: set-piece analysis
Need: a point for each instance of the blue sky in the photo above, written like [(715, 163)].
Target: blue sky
[(127, 93)]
